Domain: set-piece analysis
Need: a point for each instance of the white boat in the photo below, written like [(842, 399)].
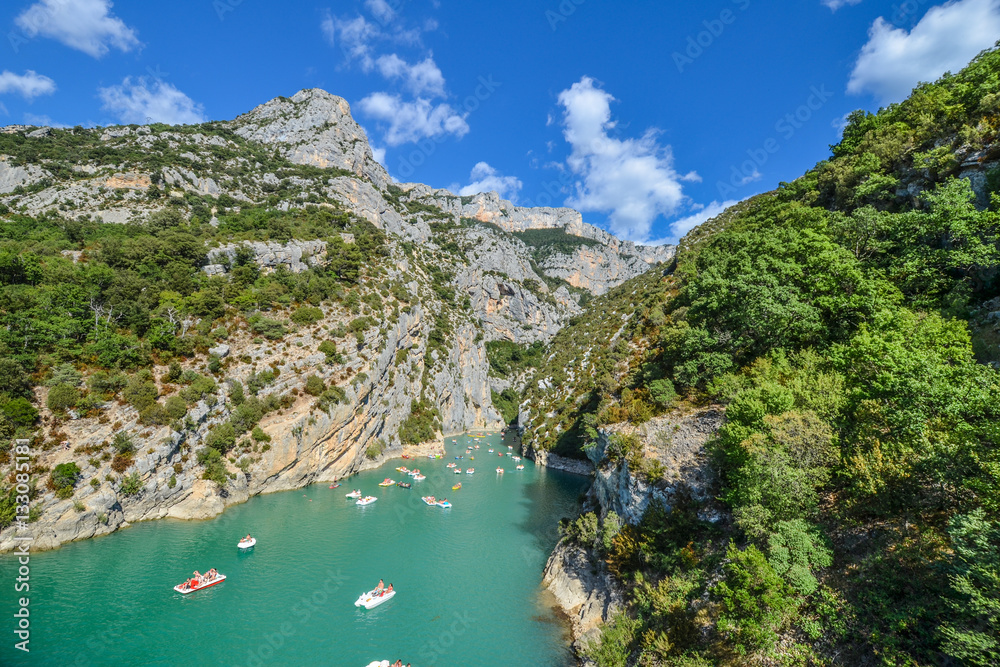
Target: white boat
[(354, 494), (458, 471), (520, 467), (517, 458), (247, 544), (444, 503), (367, 500), (419, 478), (372, 599), (470, 471), (430, 500), (499, 471)]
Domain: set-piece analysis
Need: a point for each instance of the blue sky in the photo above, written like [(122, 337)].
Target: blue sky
[(647, 116)]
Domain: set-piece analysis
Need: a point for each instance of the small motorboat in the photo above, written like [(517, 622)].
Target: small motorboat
[(335, 485), (457, 487), (372, 599), (367, 500), (451, 465), (458, 471), (403, 469), (355, 494), (245, 544), (403, 485), (387, 482), (414, 472), (499, 471), (490, 451), (510, 447), (520, 466), (419, 478), (470, 471), (517, 458), (192, 585), (430, 500), (477, 446), (444, 503)]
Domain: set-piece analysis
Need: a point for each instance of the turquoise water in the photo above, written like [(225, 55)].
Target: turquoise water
[(467, 578)]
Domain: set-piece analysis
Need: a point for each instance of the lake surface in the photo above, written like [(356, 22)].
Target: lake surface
[(468, 579)]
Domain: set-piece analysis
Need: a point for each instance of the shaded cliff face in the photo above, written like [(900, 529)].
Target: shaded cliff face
[(454, 275)]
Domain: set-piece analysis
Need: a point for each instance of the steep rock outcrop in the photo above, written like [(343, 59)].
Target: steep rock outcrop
[(313, 128)]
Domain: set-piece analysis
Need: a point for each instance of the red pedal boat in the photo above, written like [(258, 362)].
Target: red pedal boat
[(190, 586)]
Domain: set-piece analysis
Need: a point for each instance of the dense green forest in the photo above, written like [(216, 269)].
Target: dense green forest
[(860, 457)]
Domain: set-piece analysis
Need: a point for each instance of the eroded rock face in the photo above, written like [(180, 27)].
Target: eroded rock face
[(584, 590), (676, 441), (11, 176), (296, 256), (314, 128)]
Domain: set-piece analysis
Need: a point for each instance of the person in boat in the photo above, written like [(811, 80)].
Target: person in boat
[(389, 590), (247, 538), (380, 587), (197, 577)]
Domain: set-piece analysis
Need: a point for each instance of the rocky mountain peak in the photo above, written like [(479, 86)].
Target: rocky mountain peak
[(313, 127)]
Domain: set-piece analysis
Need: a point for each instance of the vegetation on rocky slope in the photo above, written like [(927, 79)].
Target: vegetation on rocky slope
[(860, 458)]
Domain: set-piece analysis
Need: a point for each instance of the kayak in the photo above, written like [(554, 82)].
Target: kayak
[(335, 485), (367, 500), (371, 599), (247, 544), (186, 588), (457, 487)]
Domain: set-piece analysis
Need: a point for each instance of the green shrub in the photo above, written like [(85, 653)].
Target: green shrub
[(259, 435), (64, 374), (756, 603), (268, 328), (140, 392), (375, 450), (222, 438), (215, 466), (62, 397), (64, 475), (315, 385), (172, 482), (122, 443), (331, 396), (20, 412), (176, 407), (107, 384), (131, 484), (795, 550), (236, 393), (154, 415), (307, 315), (329, 348)]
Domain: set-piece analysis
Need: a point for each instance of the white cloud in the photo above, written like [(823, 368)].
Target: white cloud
[(84, 25), (141, 102), (3, 110), (946, 39), (379, 155), (405, 122), (678, 228), (487, 179), (381, 10), (424, 78), (834, 5), (354, 37), (29, 85), (633, 180)]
